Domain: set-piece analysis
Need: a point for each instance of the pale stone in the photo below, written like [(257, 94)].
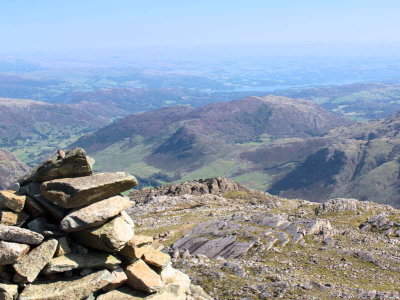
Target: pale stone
[(142, 277), (29, 267), (156, 258), (92, 260), (67, 290), (170, 292), (135, 252), (9, 199), (110, 237), (171, 275), (19, 235), (8, 291), (81, 191), (94, 214), (10, 253)]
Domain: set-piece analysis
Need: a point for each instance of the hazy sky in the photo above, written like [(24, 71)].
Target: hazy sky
[(27, 25)]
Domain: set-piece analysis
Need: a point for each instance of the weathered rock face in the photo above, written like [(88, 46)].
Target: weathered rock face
[(43, 242), (95, 214), (28, 268), (77, 192), (109, 237), (67, 290), (19, 235), (75, 163), (10, 253)]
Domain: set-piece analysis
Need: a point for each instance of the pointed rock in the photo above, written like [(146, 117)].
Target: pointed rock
[(77, 192), (142, 277), (19, 235), (10, 253), (11, 218), (29, 267), (156, 258), (74, 164), (94, 214), (67, 290), (110, 237)]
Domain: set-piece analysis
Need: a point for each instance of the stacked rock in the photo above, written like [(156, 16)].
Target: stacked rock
[(64, 234)]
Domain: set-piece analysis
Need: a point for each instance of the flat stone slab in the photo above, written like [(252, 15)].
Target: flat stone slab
[(156, 258), (142, 277), (94, 214), (19, 235), (75, 163), (81, 191), (67, 290), (10, 200), (29, 267), (10, 253), (110, 237), (171, 292), (92, 260)]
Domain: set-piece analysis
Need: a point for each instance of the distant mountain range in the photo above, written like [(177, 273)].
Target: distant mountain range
[(189, 143)]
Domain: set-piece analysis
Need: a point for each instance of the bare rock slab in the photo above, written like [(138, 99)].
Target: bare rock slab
[(110, 237), (67, 290), (156, 258), (171, 292), (19, 235), (92, 260), (10, 200), (142, 277), (75, 163), (81, 191), (10, 253), (94, 214), (29, 267)]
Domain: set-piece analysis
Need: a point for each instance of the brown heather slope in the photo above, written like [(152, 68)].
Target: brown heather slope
[(206, 141)]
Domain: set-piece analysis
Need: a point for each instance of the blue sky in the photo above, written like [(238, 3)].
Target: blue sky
[(42, 25)]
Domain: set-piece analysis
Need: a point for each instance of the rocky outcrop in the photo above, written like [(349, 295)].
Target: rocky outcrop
[(65, 235), (11, 168)]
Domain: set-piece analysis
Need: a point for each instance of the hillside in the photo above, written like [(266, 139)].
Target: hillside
[(238, 243), (30, 128), (11, 168), (188, 143), (360, 161)]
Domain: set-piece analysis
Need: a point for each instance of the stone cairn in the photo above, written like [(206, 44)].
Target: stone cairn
[(64, 234)]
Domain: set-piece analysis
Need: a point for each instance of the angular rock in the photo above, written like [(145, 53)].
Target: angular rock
[(11, 218), (49, 208), (110, 237), (173, 276), (92, 260), (8, 291), (142, 277), (9, 199), (139, 240), (77, 192), (63, 247), (19, 235), (94, 214), (118, 278), (74, 164), (67, 290), (29, 267), (10, 253), (156, 258)]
